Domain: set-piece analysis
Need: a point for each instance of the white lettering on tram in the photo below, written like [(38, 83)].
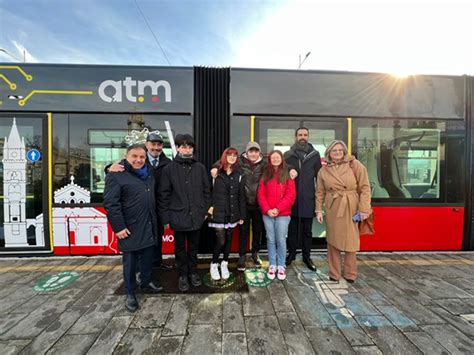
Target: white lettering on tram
[(168, 238), (115, 90)]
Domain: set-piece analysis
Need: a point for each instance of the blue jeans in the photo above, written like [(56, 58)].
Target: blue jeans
[(277, 230)]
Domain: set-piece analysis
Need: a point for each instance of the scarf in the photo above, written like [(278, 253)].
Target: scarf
[(141, 173)]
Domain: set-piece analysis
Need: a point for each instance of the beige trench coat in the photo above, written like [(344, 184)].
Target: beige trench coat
[(337, 190)]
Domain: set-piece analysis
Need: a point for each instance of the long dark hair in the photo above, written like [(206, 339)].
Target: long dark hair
[(223, 164), (281, 173)]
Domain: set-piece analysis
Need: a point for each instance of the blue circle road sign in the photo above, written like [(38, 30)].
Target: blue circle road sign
[(33, 155)]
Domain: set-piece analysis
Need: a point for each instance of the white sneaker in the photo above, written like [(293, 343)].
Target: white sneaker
[(224, 270), (215, 272), (271, 272), (281, 273)]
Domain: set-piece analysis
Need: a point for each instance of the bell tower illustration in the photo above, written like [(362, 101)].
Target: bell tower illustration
[(14, 189)]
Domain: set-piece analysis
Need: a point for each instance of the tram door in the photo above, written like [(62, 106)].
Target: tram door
[(279, 133), (24, 184)]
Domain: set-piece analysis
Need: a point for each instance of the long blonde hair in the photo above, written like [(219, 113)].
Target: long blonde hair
[(332, 145)]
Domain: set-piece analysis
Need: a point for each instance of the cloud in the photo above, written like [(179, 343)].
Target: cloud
[(24, 53)]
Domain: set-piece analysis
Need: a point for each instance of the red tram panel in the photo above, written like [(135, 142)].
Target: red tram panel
[(416, 228)]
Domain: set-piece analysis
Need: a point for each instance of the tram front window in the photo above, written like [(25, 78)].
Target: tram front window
[(403, 157)]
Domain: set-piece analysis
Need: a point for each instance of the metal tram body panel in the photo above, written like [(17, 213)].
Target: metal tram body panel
[(61, 124)]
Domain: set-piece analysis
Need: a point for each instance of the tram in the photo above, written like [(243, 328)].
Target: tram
[(60, 125)]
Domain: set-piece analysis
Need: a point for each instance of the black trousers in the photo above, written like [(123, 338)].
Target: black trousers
[(223, 243), (130, 259), (186, 258), (300, 226), (158, 257), (254, 218)]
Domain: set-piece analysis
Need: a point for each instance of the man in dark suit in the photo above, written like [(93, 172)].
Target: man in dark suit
[(156, 160), (129, 199), (306, 160)]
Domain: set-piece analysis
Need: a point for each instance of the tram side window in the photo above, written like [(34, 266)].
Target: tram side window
[(90, 142), (403, 157)]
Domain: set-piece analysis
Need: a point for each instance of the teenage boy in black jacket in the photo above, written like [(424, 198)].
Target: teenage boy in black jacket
[(183, 202)]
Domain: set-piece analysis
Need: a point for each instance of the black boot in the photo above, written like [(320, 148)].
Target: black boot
[(131, 303), (195, 280), (241, 263), (183, 283), (309, 264), (256, 260)]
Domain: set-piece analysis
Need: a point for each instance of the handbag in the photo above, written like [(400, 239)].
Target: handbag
[(366, 227)]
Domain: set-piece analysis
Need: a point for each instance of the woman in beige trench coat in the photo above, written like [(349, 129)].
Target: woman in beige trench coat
[(343, 196)]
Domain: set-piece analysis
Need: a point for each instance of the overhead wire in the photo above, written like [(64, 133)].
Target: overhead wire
[(153, 33)]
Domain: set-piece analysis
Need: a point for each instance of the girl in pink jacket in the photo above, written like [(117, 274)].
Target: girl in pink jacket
[(276, 194)]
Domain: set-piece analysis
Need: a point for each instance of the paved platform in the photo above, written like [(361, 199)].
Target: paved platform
[(402, 303)]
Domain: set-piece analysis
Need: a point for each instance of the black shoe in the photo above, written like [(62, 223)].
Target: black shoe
[(195, 280), (349, 280), (256, 260), (183, 284), (241, 263), (333, 279), (309, 264), (290, 258), (131, 303), (152, 288)]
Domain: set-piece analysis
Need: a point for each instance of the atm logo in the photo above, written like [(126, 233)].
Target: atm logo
[(133, 90)]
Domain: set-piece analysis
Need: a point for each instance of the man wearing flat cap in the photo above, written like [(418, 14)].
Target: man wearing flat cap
[(156, 161)]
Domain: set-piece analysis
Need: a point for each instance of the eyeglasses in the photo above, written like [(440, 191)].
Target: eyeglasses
[(337, 150)]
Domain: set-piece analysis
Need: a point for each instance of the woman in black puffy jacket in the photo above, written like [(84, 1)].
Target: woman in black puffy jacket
[(227, 210)]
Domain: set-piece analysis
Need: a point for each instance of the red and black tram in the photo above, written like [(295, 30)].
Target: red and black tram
[(61, 124)]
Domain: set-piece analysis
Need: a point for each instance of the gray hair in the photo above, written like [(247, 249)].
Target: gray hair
[(332, 145)]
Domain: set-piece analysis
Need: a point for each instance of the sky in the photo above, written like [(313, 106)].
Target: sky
[(399, 37)]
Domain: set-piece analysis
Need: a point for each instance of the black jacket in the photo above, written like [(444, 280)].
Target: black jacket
[(307, 169), (252, 175), (130, 203), (228, 198), (156, 171), (185, 194)]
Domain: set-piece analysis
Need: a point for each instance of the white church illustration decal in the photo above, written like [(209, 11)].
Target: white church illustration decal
[(78, 227), (73, 227)]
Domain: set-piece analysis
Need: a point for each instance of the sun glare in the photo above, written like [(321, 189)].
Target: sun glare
[(401, 75)]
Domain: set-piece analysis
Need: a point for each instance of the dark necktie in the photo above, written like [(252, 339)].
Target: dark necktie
[(154, 163)]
